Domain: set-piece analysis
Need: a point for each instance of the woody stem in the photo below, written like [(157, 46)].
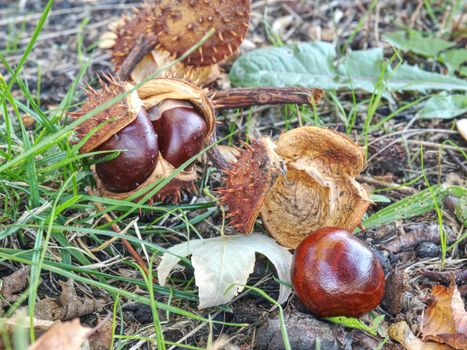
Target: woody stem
[(247, 97)]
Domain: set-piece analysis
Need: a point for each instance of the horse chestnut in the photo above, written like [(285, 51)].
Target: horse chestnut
[(138, 158), (335, 274), (181, 130)]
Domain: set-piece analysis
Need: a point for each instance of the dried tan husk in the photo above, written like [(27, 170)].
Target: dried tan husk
[(318, 190), (160, 89), (202, 75)]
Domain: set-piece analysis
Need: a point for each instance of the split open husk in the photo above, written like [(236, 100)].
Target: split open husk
[(124, 112), (314, 188)]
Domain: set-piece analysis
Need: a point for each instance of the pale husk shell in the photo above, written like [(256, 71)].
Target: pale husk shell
[(153, 61), (320, 187), (160, 89)]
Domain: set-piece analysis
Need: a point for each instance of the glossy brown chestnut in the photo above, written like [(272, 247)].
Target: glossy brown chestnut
[(136, 161), (336, 274), (181, 132)]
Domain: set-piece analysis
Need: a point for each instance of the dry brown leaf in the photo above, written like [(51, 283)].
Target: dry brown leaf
[(63, 336), (401, 332), (69, 305), (445, 320), (15, 283), (102, 339)]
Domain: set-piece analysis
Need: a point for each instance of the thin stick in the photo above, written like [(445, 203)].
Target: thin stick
[(139, 260)]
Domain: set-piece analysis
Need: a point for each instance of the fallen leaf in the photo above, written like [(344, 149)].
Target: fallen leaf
[(69, 305), (63, 336), (418, 42), (15, 283), (401, 332), (313, 65), (444, 106), (445, 320), (102, 339), (224, 261)]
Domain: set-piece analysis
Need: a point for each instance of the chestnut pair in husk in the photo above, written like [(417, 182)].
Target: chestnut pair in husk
[(156, 132), (177, 132)]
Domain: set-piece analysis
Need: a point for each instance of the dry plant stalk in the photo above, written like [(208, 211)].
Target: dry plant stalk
[(315, 186)]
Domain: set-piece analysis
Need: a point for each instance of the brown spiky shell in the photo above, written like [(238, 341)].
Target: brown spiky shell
[(127, 33), (249, 182), (174, 27), (112, 119), (121, 114), (179, 25), (318, 190)]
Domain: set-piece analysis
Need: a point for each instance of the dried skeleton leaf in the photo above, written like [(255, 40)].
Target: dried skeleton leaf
[(318, 187), (69, 305), (445, 320)]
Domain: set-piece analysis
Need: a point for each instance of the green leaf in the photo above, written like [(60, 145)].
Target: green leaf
[(415, 41), (312, 65), (415, 79), (454, 59), (362, 68), (308, 65), (377, 198), (355, 323), (444, 106)]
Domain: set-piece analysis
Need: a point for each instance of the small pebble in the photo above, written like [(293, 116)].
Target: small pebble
[(428, 250)]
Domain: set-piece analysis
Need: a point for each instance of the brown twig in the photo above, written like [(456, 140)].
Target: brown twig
[(460, 276), (145, 46), (139, 260), (246, 97), (385, 184)]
